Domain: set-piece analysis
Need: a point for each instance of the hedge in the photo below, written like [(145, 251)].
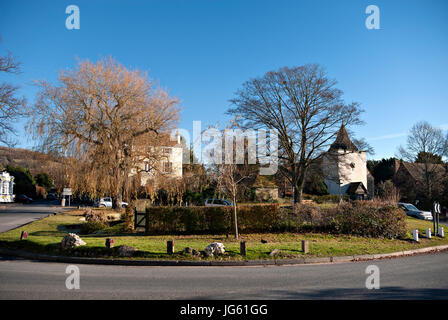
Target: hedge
[(215, 220)]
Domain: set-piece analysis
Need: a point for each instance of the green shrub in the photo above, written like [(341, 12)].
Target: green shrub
[(216, 220)]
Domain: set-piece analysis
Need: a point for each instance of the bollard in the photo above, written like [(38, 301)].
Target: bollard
[(415, 235), (428, 233), (243, 248), (305, 247), (170, 246), (441, 232), (24, 235), (110, 243)]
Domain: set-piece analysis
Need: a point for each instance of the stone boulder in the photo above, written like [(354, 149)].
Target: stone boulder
[(215, 248), (71, 240), (191, 251), (188, 250)]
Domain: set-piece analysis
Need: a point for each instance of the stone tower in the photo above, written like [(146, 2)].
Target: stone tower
[(345, 168)]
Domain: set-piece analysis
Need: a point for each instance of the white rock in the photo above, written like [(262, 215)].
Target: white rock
[(215, 248), (72, 240)]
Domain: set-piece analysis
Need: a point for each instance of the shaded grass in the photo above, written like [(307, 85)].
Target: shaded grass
[(45, 235)]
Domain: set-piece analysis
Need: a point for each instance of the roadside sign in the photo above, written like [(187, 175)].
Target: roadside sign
[(67, 192)]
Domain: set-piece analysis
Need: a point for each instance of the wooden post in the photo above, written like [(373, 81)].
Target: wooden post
[(170, 246), (305, 247), (110, 243), (146, 222), (243, 247)]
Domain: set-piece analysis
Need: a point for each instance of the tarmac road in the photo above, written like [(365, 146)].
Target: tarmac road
[(15, 215), (412, 277)]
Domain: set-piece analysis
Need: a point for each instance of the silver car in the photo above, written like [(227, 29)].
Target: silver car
[(413, 211), (217, 202), (106, 202)]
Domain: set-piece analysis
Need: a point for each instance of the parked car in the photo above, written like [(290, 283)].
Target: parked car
[(413, 211), (52, 196), (21, 198), (217, 202), (106, 202)]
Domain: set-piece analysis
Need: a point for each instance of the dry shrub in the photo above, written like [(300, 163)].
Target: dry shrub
[(95, 216), (364, 218), (388, 192), (312, 214), (129, 218)]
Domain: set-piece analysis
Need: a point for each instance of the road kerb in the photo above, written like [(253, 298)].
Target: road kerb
[(297, 261)]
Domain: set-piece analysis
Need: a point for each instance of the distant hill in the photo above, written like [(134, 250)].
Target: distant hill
[(36, 162)]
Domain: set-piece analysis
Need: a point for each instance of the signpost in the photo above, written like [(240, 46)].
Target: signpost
[(67, 192), (435, 217)]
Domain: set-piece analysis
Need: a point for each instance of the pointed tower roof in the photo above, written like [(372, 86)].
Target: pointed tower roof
[(343, 141)]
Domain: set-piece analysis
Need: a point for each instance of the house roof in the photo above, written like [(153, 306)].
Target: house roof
[(356, 188), (417, 170), (343, 141)]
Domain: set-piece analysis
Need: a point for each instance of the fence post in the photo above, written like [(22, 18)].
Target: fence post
[(415, 235), (146, 221), (305, 247), (170, 246), (243, 248)]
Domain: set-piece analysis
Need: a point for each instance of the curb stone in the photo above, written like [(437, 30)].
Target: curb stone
[(318, 260), (342, 259), (289, 261), (265, 262)]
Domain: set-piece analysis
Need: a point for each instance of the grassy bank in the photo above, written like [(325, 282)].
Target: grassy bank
[(45, 235)]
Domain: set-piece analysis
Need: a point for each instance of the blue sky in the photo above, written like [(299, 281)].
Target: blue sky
[(202, 51)]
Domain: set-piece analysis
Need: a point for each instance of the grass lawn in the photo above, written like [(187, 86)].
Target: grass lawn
[(45, 235)]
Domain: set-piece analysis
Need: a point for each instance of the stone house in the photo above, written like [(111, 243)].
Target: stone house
[(167, 165)]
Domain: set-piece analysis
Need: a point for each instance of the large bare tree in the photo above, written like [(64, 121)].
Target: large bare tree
[(12, 107), (106, 119), (305, 109)]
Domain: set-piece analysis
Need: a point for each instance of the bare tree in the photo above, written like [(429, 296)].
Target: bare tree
[(305, 109), (426, 145), (11, 106), (105, 118), (226, 169)]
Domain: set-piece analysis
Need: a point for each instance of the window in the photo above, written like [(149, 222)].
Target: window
[(167, 167), (166, 150)]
